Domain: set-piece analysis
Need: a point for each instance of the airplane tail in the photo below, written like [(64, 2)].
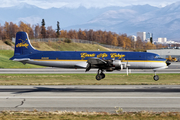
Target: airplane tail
[(23, 45)]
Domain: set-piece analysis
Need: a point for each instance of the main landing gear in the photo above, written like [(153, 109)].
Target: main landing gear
[(100, 75), (156, 77)]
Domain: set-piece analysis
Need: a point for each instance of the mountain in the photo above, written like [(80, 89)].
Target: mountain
[(34, 15), (162, 22), (120, 21)]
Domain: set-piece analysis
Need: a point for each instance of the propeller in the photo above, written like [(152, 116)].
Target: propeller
[(127, 68), (127, 65), (88, 67)]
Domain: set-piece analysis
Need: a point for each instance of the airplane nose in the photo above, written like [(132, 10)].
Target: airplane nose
[(168, 63)]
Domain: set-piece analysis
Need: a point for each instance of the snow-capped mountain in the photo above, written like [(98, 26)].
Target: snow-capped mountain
[(162, 22)]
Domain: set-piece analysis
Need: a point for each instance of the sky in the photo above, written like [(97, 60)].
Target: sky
[(87, 3)]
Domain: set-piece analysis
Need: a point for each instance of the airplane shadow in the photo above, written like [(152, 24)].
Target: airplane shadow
[(76, 90)]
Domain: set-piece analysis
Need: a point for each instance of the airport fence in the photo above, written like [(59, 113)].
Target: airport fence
[(75, 41)]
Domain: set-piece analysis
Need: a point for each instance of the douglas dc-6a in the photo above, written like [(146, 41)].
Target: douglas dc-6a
[(103, 61)]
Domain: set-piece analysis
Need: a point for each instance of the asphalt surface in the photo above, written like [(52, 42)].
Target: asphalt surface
[(104, 98)]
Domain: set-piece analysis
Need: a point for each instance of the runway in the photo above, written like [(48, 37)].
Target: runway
[(104, 98)]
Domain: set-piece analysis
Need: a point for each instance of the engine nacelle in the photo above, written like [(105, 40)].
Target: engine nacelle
[(117, 64), (110, 69)]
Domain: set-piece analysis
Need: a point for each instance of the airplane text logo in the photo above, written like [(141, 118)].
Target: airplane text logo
[(22, 44), (114, 55)]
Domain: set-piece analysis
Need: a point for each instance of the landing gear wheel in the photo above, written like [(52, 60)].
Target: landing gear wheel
[(156, 77), (98, 77), (103, 75)]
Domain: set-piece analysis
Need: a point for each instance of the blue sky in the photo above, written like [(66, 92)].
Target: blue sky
[(87, 3)]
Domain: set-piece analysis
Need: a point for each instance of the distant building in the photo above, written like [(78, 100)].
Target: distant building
[(171, 42), (145, 36), (162, 40), (142, 35), (134, 38), (149, 36)]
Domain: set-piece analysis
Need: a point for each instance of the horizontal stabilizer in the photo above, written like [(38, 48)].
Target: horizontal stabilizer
[(21, 60)]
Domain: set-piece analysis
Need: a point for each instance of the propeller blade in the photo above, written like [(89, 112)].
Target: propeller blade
[(127, 71), (88, 67)]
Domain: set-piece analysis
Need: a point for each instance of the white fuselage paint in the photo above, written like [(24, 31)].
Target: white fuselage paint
[(72, 64)]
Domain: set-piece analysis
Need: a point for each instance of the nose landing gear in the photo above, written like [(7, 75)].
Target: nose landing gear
[(156, 77)]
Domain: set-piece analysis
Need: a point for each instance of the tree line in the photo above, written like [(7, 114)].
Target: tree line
[(9, 30)]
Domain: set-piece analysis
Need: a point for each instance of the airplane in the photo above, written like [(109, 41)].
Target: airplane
[(103, 61)]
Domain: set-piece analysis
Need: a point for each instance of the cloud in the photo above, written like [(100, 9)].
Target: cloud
[(86, 3), (8, 3)]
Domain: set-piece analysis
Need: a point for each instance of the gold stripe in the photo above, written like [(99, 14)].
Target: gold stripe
[(86, 60), (60, 60)]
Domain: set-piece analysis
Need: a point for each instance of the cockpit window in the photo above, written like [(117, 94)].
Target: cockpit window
[(157, 57)]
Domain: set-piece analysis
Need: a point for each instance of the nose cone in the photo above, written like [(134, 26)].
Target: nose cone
[(168, 63)]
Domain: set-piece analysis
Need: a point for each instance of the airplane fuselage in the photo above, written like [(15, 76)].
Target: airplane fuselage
[(71, 59)]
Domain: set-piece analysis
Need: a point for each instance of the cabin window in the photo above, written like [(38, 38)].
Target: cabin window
[(157, 57)]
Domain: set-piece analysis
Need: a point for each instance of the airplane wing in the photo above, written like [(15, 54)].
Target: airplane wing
[(81, 65), (91, 61), (96, 61)]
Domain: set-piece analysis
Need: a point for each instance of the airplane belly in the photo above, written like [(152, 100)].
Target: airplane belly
[(136, 65), (146, 65), (158, 65), (60, 64)]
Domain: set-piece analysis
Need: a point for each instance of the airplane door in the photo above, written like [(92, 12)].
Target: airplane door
[(141, 63), (148, 64)]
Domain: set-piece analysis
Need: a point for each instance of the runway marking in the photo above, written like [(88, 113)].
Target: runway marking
[(90, 97)]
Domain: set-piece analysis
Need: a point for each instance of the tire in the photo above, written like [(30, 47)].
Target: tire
[(156, 77), (103, 75), (98, 77)]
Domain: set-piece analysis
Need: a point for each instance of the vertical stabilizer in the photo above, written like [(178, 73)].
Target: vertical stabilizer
[(23, 45)]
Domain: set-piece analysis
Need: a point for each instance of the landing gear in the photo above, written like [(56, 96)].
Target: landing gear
[(156, 77), (100, 75), (103, 75)]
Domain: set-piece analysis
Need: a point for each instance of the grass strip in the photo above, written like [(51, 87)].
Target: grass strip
[(87, 79), (59, 115), (6, 63)]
